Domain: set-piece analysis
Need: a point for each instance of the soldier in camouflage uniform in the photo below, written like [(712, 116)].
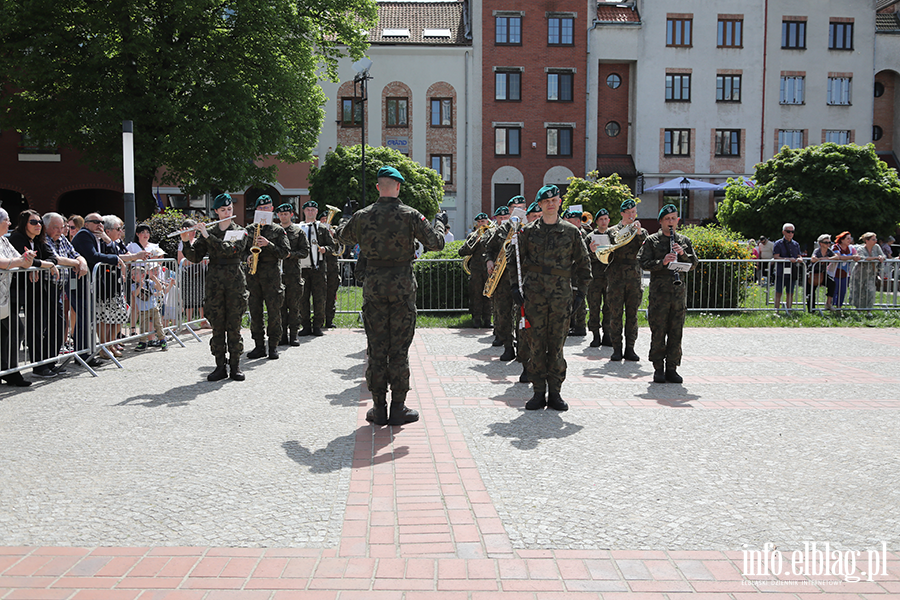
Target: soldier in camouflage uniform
[(225, 297), (523, 352), (386, 232), (501, 216), (290, 275), (265, 285), (623, 276), (667, 309), (553, 256), (504, 317), (597, 292), (332, 276), (315, 285), (579, 314), (479, 304)]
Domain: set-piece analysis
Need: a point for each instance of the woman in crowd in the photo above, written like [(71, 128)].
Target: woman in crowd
[(818, 273), (142, 242), (37, 296), (10, 326), (112, 312), (862, 282), (846, 254)]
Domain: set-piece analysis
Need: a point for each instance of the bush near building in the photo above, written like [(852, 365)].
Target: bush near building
[(442, 284), (717, 285)]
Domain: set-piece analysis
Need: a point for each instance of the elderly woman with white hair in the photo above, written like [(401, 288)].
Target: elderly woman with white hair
[(112, 311), (862, 280), (10, 326)]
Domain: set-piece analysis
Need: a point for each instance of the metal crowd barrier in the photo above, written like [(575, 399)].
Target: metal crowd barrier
[(191, 284)]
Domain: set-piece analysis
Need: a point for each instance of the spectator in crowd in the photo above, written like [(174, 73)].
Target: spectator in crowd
[(66, 256), (846, 254), (886, 247), (818, 273), (448, 237), (193, 277), (754, 254), (786, 278), (146, 289), (38, 295), (862, 282), (112, 311), (73, 226), (10, 326), (142, 242), (766, 251)]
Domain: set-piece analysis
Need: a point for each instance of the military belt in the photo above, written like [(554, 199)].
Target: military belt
[(386, 263), (225, 261), (548, 271)]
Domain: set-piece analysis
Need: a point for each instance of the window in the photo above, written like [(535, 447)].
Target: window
[(837, 136), (613, 80), (506, 141), (792, 90), (508, 30), (561, 31), (728, 142), (613, 129), (507, 86), (559, 141), (441, 112), (560, 87), (792, 138), (677, 142), (839, 91), (678, 88), (840, 36), (793, 34), (728, 88), (730, 34), (877, 133), (351, 112), (397, 112), (443, 164), (678, 32), (29, 144)]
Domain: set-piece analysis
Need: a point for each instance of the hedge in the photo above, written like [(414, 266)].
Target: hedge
[(717, 285), (442, 284)]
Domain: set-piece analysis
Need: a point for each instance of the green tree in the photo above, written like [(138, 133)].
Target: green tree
[(340, 178), (820, 189), (594, 193), (211, 85)]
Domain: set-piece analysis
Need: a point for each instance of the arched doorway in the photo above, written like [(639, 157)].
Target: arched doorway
[(82, 202), (13, 203), (252, 194)]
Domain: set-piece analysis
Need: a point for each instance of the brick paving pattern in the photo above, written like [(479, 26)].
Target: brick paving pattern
[(148, 482)]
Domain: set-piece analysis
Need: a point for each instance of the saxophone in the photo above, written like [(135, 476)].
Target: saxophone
[(254, 252), (465, 262), (491, 285)]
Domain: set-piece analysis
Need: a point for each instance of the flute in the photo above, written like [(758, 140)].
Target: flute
[(180, 231)]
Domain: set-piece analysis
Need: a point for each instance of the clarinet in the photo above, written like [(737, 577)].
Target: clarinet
[(677, 281)]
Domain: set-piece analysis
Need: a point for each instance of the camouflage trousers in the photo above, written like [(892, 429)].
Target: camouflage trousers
[(549, 319), (623, 296), (265, 286), (331, 289), (314, 288), (293, 294), (597, 297), (665, 315), (223, 306), (579, 315), (390, 326), (523, 347), (479, 304), (502, 303)]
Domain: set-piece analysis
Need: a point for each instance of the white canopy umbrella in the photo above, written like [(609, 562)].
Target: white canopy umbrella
[(682, 185)]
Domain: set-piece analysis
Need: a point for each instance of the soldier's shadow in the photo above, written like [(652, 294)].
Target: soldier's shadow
[(339, 452), (349, 397), (498, 371), (619, 370), (531, 427), (175, 397), (673, 395), (357, 371)]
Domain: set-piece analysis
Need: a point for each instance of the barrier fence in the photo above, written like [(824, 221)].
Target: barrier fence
[(49, 320)]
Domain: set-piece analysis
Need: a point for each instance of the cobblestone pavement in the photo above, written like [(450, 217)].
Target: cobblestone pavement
[(151, 482)]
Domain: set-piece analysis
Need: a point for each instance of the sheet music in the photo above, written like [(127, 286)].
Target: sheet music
[(681, 267), (263, 217), (233, 235)]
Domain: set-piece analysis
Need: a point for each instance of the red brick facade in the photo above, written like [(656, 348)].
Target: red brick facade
[(397, 134), (884, 110), (612, 107), (348, 135)]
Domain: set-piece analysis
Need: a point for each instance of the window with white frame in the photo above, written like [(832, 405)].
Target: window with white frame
[(792, 138), (792, 90), (837, 136), (839, 91)]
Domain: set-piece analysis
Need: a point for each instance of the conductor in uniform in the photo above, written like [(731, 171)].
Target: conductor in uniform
[(265, 285), (553, 257), (479, 304), (386, 232), (290, 275)]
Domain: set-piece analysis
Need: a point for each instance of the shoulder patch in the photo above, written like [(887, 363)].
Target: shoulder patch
[(423, 218)]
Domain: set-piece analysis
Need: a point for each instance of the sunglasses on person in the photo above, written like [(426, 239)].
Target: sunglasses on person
[(35, 221), (789, 231), (94, 221)]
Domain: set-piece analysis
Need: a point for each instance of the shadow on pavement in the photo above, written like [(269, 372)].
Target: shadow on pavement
[(349, 397), (175, 397), (528, 429), (673, 395), (339, 452)]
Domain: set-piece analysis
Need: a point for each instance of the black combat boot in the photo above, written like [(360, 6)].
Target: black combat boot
[(578, 332), (317, 331), (236, 372), (595, 343), (284, 338), (259, 351), (555, 401), (630, 354), (498, 341), (606, 341), (537, 401), (672, 375), (220, 372), (616, 355), (273, 351), (378, 414), (509, 353), (292, 338), (659, 375), (400, 413), (305, 332), (523, 378)]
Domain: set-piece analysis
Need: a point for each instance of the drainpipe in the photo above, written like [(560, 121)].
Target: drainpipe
[(762, 120), (587, 131), (466, 145)]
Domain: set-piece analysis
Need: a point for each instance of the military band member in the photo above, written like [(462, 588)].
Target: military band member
[(553, 256), (386, 232), (225, 298), (501, 216), (290, 275), (667, 306), (624, 286), (479, 304), (597, 299), (315, 286), (332, 277), (523, 352), (502, 301), (579, 315)]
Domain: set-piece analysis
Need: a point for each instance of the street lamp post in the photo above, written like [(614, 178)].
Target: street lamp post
[(685, 186), (362, 67), (128, 174)]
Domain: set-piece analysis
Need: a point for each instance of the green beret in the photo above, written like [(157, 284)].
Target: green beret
[(516, 200), (601, 213), (628, 204), (222, 200), (548, 191), (481, 216), (668, 208), (390, 172), (574, 213), (501, 211), (263, 200), (535, 207), (286, 207), (565, 214), (324, 213), (310, 203)]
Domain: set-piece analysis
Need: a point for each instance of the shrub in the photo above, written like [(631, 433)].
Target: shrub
[(442, 284), (717, 285), (164, 223)]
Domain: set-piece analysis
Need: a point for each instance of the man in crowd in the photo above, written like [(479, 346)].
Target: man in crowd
[(597, 299), (666, 309), (265, 284), (493, 244), (766, 250), (624, 284), (290, 276), (479, 304), (579, 313), (786, 279), (386, 232), (332, 276), (523, 351), (553, 256), (315, 285), (66, 256)]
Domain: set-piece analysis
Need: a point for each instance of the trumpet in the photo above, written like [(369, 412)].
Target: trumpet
[(208, 225), (621, 238), (481, 230), (254, 252), (587, 218)]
